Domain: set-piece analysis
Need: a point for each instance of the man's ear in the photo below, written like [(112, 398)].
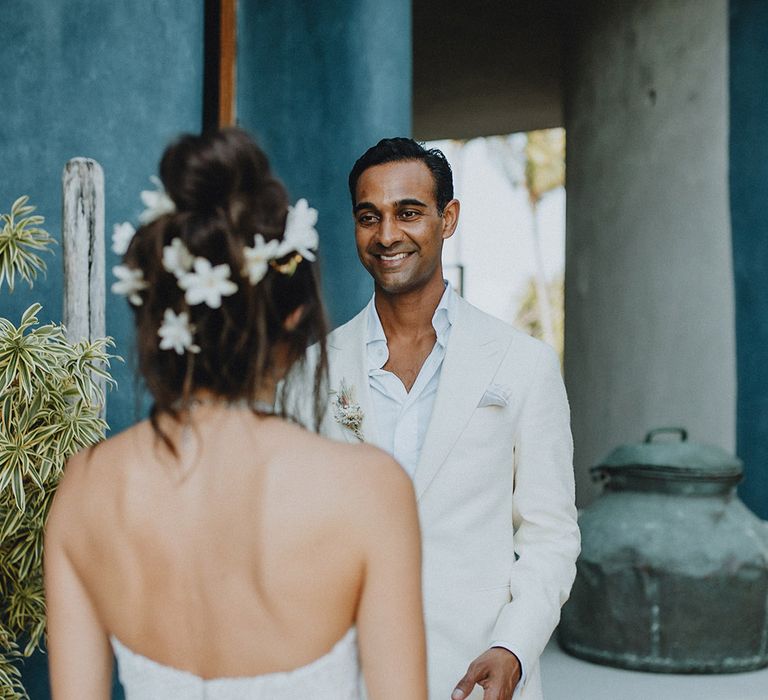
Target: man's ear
[(450, 218), (293, 319)]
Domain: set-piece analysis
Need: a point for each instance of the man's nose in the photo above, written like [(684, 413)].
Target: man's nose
[(389, 232)]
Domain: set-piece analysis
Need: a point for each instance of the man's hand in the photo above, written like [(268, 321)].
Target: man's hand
[(497, 671)]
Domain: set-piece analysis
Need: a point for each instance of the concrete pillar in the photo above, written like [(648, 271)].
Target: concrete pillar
[(317, 84), (649, 288), (749, 198)]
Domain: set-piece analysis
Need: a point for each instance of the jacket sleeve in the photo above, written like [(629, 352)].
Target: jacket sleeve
[(546, 534), (295, 392)]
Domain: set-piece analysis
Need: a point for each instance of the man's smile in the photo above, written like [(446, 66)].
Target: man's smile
[(392, 259)]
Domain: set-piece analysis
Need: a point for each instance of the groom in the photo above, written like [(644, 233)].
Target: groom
[(476, 413)]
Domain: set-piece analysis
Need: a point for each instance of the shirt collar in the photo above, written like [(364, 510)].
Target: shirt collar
[(442, 319)]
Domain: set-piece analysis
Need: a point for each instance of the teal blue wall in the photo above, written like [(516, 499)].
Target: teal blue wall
[(110, 80), (114, 81), (318, 83), (749, 204)]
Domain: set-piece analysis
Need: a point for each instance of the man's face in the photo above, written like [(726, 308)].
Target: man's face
[(398, 232)]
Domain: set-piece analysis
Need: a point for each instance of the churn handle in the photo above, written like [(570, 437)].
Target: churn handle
[(682, 432)]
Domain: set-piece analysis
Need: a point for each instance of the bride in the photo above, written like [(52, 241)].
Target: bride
[(219, 549)]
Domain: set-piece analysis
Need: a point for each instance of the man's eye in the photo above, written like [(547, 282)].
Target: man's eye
[(366, 218), (409, 214)]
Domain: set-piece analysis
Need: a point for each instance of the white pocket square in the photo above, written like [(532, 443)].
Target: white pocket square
[(495, 395)]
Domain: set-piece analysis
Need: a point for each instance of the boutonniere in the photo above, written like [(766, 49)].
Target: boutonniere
[(346, 412)]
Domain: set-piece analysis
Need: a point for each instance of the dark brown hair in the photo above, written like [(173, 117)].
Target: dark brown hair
[(225, 193), (401, 149)]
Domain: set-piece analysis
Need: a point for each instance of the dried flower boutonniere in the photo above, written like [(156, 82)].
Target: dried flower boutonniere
[(346, 412)]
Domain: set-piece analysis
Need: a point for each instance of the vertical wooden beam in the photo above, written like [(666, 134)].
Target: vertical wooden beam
[(83, 248), (220, 49), (227, 62), (211, 63)]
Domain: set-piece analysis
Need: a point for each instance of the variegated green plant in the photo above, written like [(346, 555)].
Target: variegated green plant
[(51, 394), (21, 240)]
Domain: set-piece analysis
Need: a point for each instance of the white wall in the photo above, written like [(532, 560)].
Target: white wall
[(649, 301)]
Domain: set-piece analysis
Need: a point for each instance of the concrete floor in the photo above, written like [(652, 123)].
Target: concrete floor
[(568, 678)]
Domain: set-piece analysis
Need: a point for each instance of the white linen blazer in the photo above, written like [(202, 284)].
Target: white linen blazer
[(495, 491)]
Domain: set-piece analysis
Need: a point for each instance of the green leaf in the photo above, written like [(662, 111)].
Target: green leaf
[(50, 393), (17, 486), (19, 203), (20, 236), (29, 317), (13, 518)]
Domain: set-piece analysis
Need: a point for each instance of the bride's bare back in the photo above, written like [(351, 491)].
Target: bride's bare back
[(258, 547), (254, 557)]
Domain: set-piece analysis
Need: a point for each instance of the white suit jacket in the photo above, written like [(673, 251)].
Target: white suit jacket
[(495, 491)]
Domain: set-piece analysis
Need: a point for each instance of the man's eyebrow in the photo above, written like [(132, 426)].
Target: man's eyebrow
[(363, 205), (400, 203)]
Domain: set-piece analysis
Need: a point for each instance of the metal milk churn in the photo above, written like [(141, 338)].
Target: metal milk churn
[(673, 573)]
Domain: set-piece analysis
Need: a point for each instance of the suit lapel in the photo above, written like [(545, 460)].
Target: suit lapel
[(472, 358), (348, 364)]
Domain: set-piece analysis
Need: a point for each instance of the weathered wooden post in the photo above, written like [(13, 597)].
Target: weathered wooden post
[(83, 248)]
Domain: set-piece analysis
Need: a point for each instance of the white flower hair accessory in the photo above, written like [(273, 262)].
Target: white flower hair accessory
[(129, 283), (176, 332), (122, 235), (157, 202), (205, 283), (177, 259), (257, 258), (300, 235), (299, 238)]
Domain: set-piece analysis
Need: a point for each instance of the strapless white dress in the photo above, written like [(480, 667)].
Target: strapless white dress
[(334, 676)]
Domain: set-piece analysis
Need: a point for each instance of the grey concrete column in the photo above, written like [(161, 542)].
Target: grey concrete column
[(649, 288), (317, 84)]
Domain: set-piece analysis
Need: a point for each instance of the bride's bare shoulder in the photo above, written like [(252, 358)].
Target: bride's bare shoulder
[(370, 488), (93, 469), (362, 471)]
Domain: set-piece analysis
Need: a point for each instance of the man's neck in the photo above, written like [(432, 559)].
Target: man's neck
[(410, 313)]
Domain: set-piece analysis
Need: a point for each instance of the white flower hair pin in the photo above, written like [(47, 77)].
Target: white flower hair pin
[(205, 283), (176, 332), (157, 202), (122, 235), (129, 283), (299, 238), (346, 411), (300, 234), (258, 257), (177, 259)]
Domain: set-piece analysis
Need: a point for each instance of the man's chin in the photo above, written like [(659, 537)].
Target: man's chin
[(393, 286)]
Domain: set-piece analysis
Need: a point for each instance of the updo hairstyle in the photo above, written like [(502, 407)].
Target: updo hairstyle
[(224, 193)]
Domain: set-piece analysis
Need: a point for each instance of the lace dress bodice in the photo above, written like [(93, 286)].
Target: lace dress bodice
[(334, 676)]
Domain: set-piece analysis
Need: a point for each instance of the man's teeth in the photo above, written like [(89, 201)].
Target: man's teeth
[(397, 256)]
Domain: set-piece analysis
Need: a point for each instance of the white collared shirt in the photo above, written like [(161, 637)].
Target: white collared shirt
[(402, 417)]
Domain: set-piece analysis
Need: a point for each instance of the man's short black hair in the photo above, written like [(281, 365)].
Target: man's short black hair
[(399, 148)]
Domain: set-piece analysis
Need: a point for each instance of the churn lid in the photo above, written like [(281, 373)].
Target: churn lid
[(672, 459)]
